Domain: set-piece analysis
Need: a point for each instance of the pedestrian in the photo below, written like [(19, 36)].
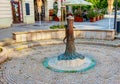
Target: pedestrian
[(84, 15)]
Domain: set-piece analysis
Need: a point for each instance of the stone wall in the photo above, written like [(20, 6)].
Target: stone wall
[(60, 34), (95, 34)]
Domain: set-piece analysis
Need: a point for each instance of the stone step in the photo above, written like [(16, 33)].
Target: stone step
[(3, 55)]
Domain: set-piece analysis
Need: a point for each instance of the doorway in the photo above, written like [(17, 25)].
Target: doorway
[(16, 11), (37, 18)]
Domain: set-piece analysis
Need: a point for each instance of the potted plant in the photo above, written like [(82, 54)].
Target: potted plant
[(101, 16), (55, 8), (97, 16), (92, 15), (55, 18), (103, 11), (78, 16)]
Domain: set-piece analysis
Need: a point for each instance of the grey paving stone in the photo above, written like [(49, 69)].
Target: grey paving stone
[(26, 66)]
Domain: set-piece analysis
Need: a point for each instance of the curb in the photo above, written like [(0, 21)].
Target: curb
[(30, 45), (7, 42), (102, 44), (8, 48), (39, 42), (3, 55), (34, 44)]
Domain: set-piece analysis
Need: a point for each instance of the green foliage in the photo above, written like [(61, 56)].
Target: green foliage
[(57, 27), (78, 13), (82, 7), (99, 4), (86, 7), (92, 13), (104, 11), (55, 7), (119, 4), (75, 7)]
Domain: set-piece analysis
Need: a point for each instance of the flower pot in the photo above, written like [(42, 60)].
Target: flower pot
[(51, 12), (100, 17), (78, 19), (93, 19), (56, 18), (97, 18)]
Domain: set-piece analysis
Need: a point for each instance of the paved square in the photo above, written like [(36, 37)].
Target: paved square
[(26, 67)]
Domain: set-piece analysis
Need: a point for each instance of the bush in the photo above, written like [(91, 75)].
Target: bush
[(57, 27), (104, 11), (92, 13)]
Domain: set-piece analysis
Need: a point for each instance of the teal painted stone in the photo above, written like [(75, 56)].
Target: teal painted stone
[(69, 66)]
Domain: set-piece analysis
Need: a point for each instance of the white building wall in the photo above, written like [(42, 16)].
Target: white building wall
[(5, 13), (28, 18)]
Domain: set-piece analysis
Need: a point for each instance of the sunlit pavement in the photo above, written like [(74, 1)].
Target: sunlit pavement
[(25, 66)]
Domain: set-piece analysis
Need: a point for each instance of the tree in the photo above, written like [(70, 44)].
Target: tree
[(119, 4), (99, 4)]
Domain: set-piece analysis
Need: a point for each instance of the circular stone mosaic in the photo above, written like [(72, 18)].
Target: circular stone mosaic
[(26, 66), (74, 65)]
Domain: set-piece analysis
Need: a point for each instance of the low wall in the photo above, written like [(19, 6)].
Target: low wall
[(3, 55), (60, 34)]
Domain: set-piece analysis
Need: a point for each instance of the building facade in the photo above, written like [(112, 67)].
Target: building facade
[(24, 11)]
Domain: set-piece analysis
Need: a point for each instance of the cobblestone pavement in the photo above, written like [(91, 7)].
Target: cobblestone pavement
[(25, 66)]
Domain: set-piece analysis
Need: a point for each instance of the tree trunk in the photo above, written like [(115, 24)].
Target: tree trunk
[(70, 52), (70, 47)]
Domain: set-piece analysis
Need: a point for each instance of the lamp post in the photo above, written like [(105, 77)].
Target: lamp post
[(115, 16), (39, 4), (63, 10), (110, 8)]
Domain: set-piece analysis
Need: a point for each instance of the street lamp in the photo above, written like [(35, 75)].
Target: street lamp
[(39, 5)]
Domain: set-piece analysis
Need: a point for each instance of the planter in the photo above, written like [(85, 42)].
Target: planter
[(3, 55), (93, 19), (100, 17), (51, 12), (97, 18), (78, 19), (56, 18)]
